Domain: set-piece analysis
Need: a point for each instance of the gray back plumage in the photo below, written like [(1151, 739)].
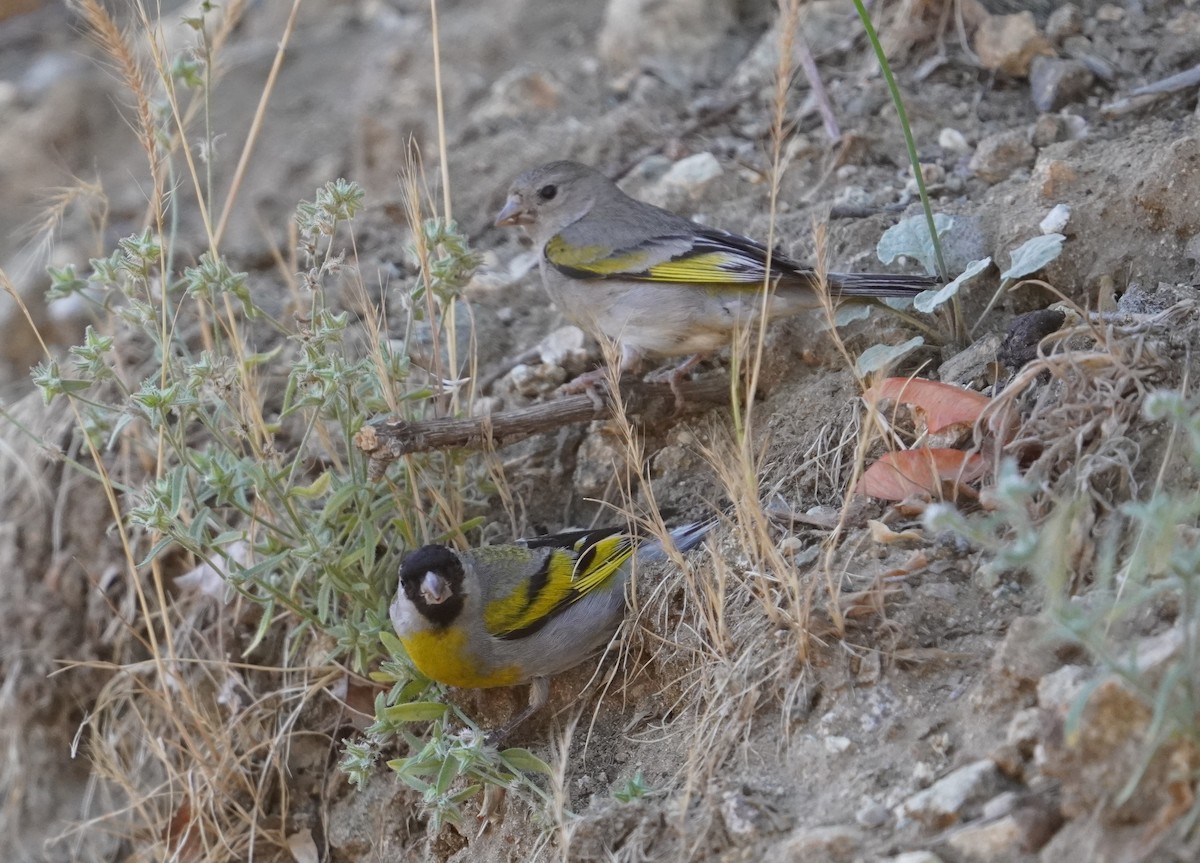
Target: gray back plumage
[(577, 631)]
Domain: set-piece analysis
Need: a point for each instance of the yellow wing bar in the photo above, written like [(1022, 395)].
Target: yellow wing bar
[(566, 577)]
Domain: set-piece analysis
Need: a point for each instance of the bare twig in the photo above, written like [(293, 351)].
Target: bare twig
[(389, 439), (809, 64), (1172, 84), (1148, 94), (858, 211)]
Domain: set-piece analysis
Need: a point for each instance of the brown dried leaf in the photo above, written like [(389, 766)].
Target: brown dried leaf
[(881, 533), (923, 472), (937, 407)]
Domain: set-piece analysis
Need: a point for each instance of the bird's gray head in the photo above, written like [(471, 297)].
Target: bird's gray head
[(546, 199)]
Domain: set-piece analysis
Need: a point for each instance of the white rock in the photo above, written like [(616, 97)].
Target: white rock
[(486, 406), (872, 815), (943, 802), (563, 347), (1000, 805), (923, 774), (740, 816), (1055, 220), (1058, 689), (987, 842), (953, 140), (836, 744), (531, 381), (1077, 126), (693, 173), (1066, 20), (1026, 728)]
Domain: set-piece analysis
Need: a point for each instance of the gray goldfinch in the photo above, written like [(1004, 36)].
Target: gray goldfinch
[(656, 283), (503, 615)]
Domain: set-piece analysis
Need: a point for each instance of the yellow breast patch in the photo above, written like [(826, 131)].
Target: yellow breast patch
[(443, 656)]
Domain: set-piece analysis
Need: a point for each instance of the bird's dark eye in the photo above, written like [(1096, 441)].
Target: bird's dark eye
[(547, 192)]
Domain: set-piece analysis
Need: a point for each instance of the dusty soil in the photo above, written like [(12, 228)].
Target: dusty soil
[(758, 752)]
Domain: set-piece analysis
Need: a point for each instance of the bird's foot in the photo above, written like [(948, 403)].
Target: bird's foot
[(592, 384), (676, 376)]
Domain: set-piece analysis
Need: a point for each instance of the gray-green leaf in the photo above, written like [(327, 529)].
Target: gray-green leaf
[(1032, 255), (849, 312), (910, 237), (415, 711), (880, 356), (524, 760), (927, 301)]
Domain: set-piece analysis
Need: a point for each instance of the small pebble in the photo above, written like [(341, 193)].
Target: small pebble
[(953, 140), (1000, 155), (1066, 20), (1077, 126), (836, 744), (1000, 805), (791, 544), (873, 815), (1008, 43), (915, 857), (1054, 82), (1056, 220), (694, 173), (1049, 129)]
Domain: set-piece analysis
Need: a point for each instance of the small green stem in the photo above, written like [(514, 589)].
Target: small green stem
[(910, 144)]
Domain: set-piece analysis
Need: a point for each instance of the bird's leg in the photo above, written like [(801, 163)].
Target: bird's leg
[(676, 376), (589, 382), (539, 694)]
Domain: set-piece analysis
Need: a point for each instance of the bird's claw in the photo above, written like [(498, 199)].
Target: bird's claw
[(592, 384)]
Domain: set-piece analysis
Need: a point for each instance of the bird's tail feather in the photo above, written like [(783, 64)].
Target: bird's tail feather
[(879, 284), (685, 537)]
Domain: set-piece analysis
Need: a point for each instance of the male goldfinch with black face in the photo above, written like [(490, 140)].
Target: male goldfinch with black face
[(503, 615)]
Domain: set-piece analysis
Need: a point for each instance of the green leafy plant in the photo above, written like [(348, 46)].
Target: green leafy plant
[(219, 408), (635, 789), (1145, 555), (449, 765), (908, 238), (243, 483), (258, 480)]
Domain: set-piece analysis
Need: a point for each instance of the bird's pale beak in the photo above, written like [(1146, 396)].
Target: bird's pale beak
[(434, 588), (512, 214)]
